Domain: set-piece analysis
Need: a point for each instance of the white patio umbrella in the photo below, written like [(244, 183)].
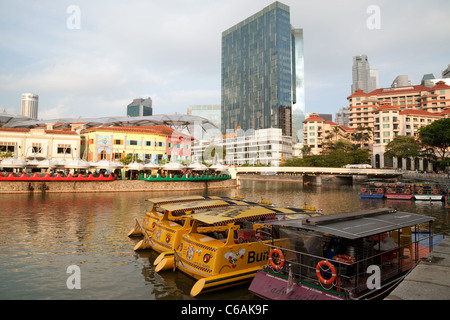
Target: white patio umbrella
[(106, 164), (46, 163), (13, 163), (150, 166), (77, 164), (197, 166), (135, 166)]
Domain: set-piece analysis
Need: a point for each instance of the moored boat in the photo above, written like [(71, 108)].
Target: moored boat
[(399, 191), (346, 256), (167, 230), (373, 190), (229, 250), (428, 192), (155, 213)]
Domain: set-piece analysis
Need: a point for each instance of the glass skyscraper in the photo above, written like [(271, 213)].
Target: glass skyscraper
[(259, 78)]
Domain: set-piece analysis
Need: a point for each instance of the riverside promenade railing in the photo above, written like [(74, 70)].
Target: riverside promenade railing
[(314, 171)]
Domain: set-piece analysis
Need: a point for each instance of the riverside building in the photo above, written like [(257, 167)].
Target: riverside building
[(263, 74), (147, 143), (262, 146)]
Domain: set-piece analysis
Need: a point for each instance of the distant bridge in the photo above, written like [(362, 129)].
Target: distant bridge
[(314, 174)]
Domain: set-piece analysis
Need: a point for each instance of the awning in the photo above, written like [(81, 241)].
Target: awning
[(232, 214), (358, 226)]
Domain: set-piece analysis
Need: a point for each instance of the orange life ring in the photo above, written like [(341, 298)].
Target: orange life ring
[(363, 190), (344, 258), (420, 191), (380, 190), (390, 190), (407, 191), (435, 191), (272, 262), (332, 269)]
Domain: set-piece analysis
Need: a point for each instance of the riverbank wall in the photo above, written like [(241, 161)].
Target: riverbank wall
[(112, 186)]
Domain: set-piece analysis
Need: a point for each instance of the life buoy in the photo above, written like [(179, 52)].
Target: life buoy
[(435, 191), (363, 190), (420, 191), (380, 190), (272, 262), (407, 191), (390, 190), (329, 266), (344, 258)]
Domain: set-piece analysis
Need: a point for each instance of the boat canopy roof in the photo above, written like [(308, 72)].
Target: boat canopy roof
[(358, 224), (175, 199), (233, 214), (194, 205)]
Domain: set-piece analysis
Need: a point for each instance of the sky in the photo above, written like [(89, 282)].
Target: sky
[(92, 58)]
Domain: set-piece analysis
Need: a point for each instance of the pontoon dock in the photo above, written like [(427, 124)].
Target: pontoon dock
[(429, 280)]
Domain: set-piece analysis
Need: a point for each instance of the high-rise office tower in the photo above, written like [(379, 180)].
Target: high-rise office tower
[(363, 77), (140, 107), (30, 105), (262, 72)]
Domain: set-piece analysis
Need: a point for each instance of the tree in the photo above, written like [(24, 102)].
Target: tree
[(437, 137), (403, 147)]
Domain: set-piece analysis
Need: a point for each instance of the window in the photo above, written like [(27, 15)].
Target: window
[(148, 143), (160, 144), (385, 125), (386, 133), (37, 148), (64, 149), (386, 141), (133, 143), (7, 146), (117, 141), (385, 118)]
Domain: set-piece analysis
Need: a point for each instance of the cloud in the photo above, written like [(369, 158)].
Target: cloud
[(171, 50)]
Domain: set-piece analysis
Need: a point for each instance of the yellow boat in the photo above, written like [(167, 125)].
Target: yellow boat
[(165, 230), (155, 213), (230, 252)]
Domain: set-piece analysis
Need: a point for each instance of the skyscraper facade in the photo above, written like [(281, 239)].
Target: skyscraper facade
[(140, 107), (363, 77), (258, 75), (30, 105)]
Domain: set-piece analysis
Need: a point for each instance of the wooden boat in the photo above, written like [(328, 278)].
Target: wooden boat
[(354, 255), (165, 231), (155, 213), (58, 178), (428, 192), (399, 191), (229, 250), (373, 190)]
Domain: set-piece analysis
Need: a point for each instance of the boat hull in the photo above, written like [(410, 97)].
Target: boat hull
[(271, 286), (372, 195), (399, 196), (428, 197)]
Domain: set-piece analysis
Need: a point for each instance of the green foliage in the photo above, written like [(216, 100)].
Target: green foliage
[(5, 155), (403, 147), (437, 136), (335, 158), (129, 158)]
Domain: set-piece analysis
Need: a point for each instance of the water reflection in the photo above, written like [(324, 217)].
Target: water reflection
[(42, 234)]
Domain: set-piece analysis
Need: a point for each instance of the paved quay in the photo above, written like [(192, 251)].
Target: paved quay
[(428, 280)]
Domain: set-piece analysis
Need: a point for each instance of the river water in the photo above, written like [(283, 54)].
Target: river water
[(42, 235)]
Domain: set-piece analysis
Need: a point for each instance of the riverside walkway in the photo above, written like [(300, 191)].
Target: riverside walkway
[(429, 280)]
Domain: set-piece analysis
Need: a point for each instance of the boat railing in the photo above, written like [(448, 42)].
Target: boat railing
[(353, 277)]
